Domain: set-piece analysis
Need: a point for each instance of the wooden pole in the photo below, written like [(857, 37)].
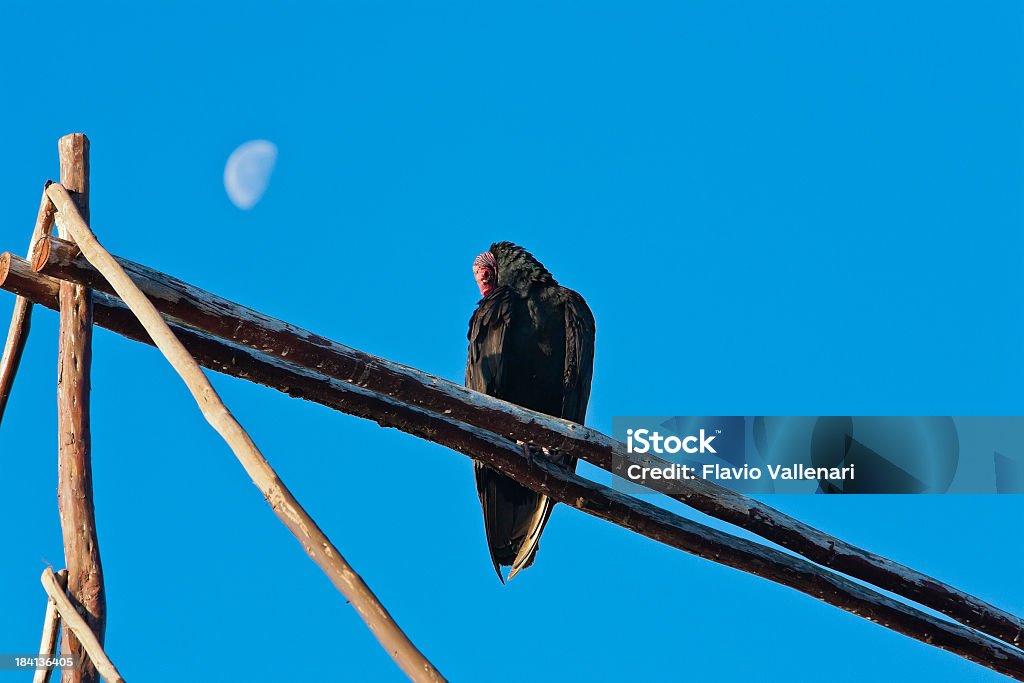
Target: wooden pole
[(74, 481), (281, 500), (89, 641), (360, 371), (21, 319), (503, 455), (51, 628)]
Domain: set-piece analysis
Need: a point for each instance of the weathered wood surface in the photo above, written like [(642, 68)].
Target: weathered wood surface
[(84, 635), (284, 504), (570, 489), (74, 478), (221, 317), (51, 628), (16, 277), (21, 318)]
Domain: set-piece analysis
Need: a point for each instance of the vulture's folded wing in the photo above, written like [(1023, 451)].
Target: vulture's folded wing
[(488, 332), (507, 506), (580, 331)]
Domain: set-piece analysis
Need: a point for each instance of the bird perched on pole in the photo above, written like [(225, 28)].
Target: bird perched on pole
[(531, 342)]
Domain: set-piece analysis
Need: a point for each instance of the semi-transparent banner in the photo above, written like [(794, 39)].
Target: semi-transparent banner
[(822, 454)]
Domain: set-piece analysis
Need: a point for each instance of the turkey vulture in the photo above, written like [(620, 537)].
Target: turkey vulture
[(531, 342)]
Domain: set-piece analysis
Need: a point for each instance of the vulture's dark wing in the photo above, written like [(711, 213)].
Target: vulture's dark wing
[(580, 331), (578, 372), (488, 330), (507, 506)]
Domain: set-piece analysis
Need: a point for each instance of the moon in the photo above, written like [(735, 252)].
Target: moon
[(247, 172)]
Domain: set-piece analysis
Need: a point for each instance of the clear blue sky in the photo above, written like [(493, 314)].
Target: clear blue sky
[(785, 210)]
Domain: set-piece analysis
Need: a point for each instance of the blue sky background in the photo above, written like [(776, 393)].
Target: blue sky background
[(802, 208)]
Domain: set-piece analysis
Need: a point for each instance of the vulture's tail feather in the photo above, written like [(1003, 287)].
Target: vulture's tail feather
[(530, 543)]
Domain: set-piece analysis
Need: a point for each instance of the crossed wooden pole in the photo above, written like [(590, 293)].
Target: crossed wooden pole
[(74, 274)]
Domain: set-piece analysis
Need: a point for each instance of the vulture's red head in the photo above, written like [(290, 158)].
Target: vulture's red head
[(509, 265), (485, 272)]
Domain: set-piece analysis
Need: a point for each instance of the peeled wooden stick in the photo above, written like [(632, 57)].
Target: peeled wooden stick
[(51, 627), (21, 319), (74, 621), (281, 500)]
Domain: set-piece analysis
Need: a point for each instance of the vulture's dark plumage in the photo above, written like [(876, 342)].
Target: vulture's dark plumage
[(531, 342)]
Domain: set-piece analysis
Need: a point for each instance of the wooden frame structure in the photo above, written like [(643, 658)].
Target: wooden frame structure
[(194, 328)]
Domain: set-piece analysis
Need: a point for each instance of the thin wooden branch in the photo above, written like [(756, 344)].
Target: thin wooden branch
[(281, 500), (641, 517), (51, 628), (221, 317), (83, 634), (21, 318), (74, 478)]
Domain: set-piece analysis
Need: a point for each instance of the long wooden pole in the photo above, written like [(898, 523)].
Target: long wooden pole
[(73, 622), (21, 318), (243, 326), (281, 500), (74, 481), (501, 454)]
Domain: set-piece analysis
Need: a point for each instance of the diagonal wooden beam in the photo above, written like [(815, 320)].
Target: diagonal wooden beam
[(284, 504), (221, 317), (21, 318), (84, 635), (51, 629), (641, 517)]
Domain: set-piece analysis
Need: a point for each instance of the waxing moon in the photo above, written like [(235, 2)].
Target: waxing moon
[(247, 172)]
